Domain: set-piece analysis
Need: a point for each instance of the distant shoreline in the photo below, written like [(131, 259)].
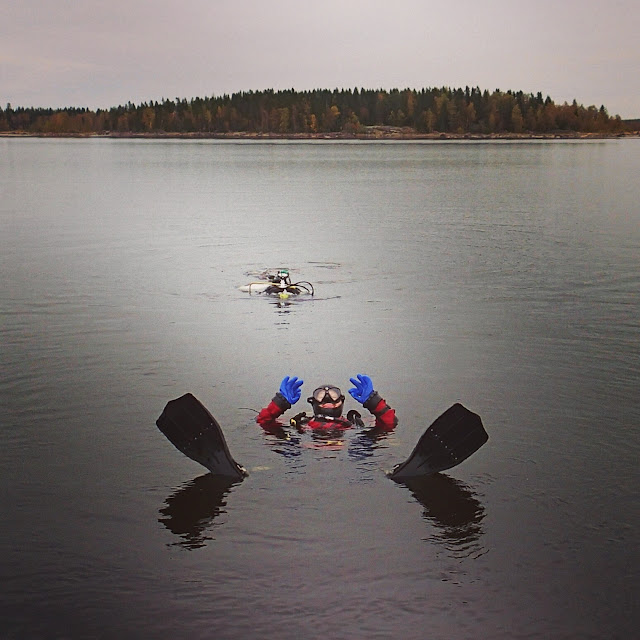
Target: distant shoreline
[(372, 134)]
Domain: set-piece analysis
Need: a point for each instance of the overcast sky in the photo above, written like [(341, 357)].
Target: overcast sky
[(94, 53)]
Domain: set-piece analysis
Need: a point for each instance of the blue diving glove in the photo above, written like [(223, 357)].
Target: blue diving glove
[(290, 388), (363, 388)]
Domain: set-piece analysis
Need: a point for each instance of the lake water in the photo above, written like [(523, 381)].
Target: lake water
[(501, 275)]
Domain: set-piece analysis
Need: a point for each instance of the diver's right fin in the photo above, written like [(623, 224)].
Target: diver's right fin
[(452, 438), (193, 430)]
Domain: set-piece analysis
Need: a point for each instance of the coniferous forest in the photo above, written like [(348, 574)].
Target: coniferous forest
[(323, 112)]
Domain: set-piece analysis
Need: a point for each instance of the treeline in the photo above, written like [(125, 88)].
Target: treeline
[(442, 110)]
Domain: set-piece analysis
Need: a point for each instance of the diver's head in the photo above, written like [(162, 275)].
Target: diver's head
[(327, 401)]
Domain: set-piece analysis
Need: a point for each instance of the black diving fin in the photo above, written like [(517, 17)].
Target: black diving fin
[(193, 430), (452, 438)]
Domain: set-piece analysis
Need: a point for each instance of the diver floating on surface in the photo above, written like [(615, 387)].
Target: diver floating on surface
[(278, 284), (451, 439), (327, 402)]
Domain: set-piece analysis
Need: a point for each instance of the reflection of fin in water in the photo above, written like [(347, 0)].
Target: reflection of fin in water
[(194, 431), (453, 508), (452, 438), (190, 511)]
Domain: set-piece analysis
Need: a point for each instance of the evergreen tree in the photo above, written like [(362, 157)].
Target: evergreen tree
[(445, 110)]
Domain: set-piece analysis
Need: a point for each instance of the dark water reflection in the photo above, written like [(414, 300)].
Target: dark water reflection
[(454, 512), (191, 511), (502, 276), (451, 507), (365, 444), (283, 441)]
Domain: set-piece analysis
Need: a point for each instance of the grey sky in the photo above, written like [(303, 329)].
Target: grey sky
[(93, 53)]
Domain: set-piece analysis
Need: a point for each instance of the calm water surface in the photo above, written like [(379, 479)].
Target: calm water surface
[(504, 276)]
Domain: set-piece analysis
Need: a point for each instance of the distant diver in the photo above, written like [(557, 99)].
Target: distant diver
[(279, 284)]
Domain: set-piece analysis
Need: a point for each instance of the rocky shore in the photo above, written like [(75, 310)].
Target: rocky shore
[(367, 133)]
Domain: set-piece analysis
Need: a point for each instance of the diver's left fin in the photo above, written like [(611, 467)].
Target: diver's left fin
[(452, 438), (193, 430)]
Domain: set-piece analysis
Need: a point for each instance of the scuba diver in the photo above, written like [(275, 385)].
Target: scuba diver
[(451, 438), (282, 286), (327, 402)]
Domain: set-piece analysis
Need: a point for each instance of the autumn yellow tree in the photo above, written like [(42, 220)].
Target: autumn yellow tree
[(331, 116), (148, 118), (517, 121)]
